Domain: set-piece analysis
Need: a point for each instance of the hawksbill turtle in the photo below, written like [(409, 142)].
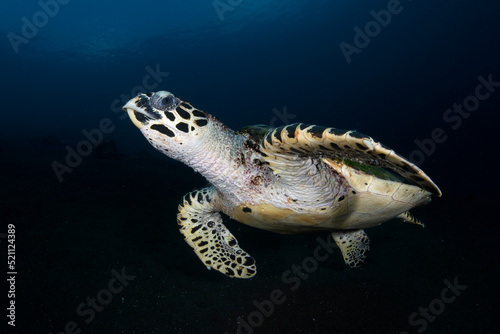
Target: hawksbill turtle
[(290, 179)]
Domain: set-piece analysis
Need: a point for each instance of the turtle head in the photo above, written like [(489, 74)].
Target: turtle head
[(169, 123)]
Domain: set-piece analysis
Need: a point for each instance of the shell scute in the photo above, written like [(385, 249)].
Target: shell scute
[(313, 140)]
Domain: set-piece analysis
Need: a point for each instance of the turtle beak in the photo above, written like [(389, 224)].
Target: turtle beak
[(137, 115)]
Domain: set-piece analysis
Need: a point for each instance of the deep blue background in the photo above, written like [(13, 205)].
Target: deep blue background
[(263, 55)]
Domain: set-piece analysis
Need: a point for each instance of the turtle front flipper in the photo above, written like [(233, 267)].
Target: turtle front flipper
[(354, 246), (201, 225)]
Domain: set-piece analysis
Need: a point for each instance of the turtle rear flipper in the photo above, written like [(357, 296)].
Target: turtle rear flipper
[(407, 217), (354, 246), (202, 228)]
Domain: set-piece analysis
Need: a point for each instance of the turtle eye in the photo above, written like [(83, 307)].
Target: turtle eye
[(168, 102)]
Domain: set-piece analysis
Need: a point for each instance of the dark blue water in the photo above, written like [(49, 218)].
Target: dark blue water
[(422, 77)]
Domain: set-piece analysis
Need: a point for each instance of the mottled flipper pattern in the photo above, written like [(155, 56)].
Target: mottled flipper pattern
[(201, 225), (354, 246)]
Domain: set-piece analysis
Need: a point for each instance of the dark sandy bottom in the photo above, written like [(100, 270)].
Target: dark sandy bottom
[(117, 218)]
